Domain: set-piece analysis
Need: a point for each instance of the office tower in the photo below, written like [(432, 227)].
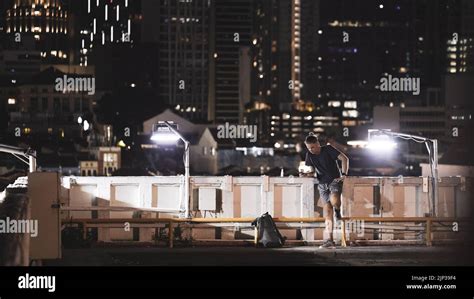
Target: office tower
[(184, 56), (285, 46), (203, 59), (359, 44), (38, 28), (105, 23), (230, 35)]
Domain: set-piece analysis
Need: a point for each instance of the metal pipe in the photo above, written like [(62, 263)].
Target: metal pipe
[(186, 169), (281, 219), (32, 162), (118, 208), (12, 149), (186, 180), (433, 161), (435, 178), (21, 154), (22, 159)]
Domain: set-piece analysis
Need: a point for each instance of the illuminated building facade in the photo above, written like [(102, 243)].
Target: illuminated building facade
[(184, 56), (104, 23), (230, 62), (38, 25), (285, 46)]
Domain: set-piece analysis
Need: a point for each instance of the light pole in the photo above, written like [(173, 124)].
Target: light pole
[(166, 132), (431, 146), (27, 156)]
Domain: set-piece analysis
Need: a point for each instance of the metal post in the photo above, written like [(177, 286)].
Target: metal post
[(428, 233), (32, 163), (343, 238), (186, 169), (435, 178), (26, 156), (433, 161), (186, 179), (170, 234), (255, 237)]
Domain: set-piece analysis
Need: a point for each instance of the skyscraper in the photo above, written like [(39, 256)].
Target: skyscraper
[(184, 56), (361, 42), (230, 35), (102, 23), (285, 45), (38, 25)]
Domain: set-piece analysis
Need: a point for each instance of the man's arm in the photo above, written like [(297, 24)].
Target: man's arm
[(345, 163), (308, 163), (337, 154)]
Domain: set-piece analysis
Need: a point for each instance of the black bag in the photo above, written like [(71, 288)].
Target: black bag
[(268, 234)]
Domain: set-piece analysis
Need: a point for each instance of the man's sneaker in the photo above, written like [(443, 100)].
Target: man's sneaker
[(328, 244), (337, 212)]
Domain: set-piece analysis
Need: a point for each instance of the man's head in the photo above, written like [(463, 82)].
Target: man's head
[(312, 143)]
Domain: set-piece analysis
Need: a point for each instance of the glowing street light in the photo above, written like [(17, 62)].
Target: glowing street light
[(381, 140), (166, 132), (163, 134), (381, 143)]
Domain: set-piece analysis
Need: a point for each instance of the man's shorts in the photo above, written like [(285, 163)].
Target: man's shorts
[(326, 189)]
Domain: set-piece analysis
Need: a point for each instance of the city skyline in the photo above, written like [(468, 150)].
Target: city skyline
[(289, 67)]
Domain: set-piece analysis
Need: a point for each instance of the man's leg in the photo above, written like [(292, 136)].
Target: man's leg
[(329, 222), (324, 194), (335, 198)]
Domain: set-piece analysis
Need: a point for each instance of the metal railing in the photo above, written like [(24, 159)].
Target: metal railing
[(158, 222)]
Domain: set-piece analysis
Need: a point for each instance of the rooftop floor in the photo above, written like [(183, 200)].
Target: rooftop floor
[(249, 256)]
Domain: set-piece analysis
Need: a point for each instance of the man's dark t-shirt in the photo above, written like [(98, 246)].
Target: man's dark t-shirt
[(325, 164)]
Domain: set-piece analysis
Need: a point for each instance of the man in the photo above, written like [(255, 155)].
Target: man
[(323, 161)]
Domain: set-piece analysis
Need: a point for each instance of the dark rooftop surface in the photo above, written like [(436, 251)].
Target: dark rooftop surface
[(250, 256)]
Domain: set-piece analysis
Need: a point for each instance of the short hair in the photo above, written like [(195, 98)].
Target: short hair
[(311, 139)]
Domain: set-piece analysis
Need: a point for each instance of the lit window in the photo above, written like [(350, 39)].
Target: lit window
[(110, 157), (11, 101), (350, 113), (350, 104)]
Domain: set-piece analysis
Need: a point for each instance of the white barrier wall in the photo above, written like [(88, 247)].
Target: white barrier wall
[(405, 197), (227, 197), (210, 197)]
